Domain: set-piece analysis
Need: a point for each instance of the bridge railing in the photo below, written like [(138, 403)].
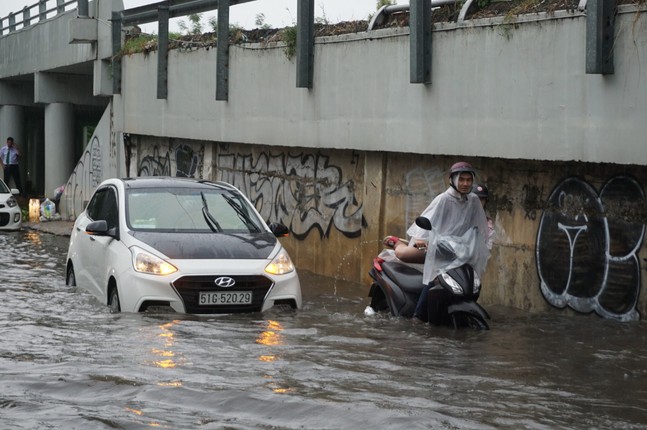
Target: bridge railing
[(40, 11)]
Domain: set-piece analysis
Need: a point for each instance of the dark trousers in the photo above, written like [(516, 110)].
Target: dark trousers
[(423, 302), (432, 304), (12, 171)]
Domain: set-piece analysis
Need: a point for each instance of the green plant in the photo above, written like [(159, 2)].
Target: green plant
[(195, 20), (141, 43), (260, 22), (323, 19), (289, 36), (381, 3), (505, 30), (213, 23)]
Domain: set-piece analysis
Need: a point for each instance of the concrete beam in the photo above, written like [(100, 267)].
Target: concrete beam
[(63, 88), (59, 145), (103, 69), (83, 30), (19, 93)]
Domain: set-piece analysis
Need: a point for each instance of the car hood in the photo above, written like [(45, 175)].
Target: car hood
[(190, 246)]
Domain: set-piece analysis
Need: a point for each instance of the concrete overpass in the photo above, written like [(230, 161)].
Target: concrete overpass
[(348, 141)]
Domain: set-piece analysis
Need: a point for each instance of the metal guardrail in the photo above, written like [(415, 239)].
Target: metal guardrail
[(39, 11)]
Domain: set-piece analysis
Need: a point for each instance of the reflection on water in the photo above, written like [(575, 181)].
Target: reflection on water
[(66, 362), (167, 355)]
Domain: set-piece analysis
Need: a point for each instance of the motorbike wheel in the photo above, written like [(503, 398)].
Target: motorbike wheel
[(469, 321), (378, 299)]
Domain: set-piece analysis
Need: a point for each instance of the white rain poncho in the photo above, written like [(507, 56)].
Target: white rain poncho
[(458, 220)]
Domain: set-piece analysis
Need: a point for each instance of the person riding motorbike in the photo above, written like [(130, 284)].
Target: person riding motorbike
[(452, 214)]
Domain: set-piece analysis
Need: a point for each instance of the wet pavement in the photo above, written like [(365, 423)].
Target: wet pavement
[(67, 363), (59, 228)]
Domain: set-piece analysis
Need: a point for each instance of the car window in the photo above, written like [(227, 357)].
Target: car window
[(103, 206), (184, 209), (4, 189)]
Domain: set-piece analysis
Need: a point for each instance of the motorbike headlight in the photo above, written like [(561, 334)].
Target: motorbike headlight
[(145, 262), (280, 265), (11, 201), (455, 286)]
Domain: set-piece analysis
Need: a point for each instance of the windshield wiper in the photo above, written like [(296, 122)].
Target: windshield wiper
[(243, 215), (211, 221)]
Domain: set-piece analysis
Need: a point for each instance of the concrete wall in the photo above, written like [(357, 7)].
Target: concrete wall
[(568, 234), (43, 46), (363, 152), (102, 158), (499, 90)]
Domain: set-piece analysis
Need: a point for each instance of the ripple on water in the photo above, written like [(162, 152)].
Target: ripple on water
[(66, 362)]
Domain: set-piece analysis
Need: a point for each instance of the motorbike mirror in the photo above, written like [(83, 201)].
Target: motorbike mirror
[(423, 223)]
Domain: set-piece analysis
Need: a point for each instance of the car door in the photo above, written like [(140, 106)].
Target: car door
[(97, 258), (83, 258)]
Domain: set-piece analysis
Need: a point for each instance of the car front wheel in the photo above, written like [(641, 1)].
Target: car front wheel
[(113, 303), (70, 279)]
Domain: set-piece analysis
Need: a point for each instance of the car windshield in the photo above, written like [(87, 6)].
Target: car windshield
[(189, 210), (4, 189)]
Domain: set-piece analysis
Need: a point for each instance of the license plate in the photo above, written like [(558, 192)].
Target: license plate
[(226, 298)]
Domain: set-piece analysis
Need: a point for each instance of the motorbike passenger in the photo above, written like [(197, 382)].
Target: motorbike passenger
[(483, 194), (452, 214)]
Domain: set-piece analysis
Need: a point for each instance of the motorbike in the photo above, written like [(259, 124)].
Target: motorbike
[(452, 296)]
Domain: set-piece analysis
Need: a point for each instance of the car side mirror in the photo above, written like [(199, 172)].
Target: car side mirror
[(279, 229), (99, 228), (15, 191), (423, 223)]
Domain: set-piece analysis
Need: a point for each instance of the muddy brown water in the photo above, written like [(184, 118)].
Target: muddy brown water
[(67, 363)]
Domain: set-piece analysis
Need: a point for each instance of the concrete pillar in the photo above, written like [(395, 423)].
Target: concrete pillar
[(12, 124), (59, 145)]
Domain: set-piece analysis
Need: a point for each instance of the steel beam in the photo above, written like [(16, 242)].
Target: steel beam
[(162, 52), (222, 62), (420, 26), (305, 43), (42, 9), (600, 31), (148, 13)]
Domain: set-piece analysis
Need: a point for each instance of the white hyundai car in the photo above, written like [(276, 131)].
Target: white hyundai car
[(10, 214), (194, 246)]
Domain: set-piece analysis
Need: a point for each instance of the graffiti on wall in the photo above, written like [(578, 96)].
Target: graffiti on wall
[(421, 186), (304, 192), (587, 247), (85, 178), (158, 162)]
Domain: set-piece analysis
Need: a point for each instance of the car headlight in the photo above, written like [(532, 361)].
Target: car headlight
[(456, 288), (280, 265), (145, 262), (11, 201)]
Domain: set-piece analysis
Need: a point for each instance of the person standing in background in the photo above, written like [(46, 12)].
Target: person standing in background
[(9, 158)]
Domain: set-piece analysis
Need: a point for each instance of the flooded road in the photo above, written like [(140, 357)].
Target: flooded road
[(66, 363)]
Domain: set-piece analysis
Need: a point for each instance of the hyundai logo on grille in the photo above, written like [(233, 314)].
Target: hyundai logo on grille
[(225, 282)]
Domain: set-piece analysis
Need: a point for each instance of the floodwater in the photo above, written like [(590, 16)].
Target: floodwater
[(67, 363)]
